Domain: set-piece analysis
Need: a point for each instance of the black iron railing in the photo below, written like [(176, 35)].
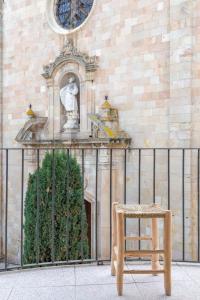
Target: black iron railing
[(166, 176)]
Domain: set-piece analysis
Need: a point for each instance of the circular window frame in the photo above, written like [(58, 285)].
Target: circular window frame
[(53, 23)]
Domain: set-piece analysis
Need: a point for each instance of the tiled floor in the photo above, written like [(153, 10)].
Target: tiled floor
[(95, 283)]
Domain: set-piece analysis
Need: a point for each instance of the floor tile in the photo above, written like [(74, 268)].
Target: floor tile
[(46, 277), (9, 279), (4, 293), (55, 293), (193, 273), (141, 277), (180, 290), (91, 282), (97, 275), (178, 274), (107, 292)]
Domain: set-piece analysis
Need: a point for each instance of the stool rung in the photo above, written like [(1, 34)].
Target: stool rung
[(141, 253), (154, 253), (143, 272), (138, 238)]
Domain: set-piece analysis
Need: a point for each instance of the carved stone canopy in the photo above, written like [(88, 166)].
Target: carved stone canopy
[(68, 54)]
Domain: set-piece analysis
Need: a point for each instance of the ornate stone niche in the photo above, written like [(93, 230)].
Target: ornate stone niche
[(72, 118), (70, 63)]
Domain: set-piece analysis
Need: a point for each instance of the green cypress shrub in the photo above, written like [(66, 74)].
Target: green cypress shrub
[(64, 197)]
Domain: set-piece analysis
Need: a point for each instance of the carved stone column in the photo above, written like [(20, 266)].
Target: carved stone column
[(50, 86), (106, 186)]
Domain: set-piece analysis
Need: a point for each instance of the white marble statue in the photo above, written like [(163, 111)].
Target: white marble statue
[(68, 96)]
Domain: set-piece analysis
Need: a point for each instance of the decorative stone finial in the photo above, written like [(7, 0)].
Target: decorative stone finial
[(30, 113), (106, 104)]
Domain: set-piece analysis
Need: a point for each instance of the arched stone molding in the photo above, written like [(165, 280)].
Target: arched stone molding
[(70, 61), (71, 54)]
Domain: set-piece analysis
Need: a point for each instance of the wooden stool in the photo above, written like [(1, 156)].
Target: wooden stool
[(119, 215)]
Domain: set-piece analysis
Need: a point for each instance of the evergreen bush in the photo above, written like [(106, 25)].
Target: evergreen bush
[(57, 190)]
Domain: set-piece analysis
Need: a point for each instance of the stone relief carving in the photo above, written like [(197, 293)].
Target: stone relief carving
[(71, 111), (70, 53), (106, 124), (32, 130), (68, 96)]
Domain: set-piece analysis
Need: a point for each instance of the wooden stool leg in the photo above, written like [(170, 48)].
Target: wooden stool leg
[(120, 254), (114, 238), (155, 245), (167, 252)]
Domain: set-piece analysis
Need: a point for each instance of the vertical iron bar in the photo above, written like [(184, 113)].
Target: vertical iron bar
[(6, 215), (139, 177), (154, 176), (198, 206), (53, 209), (111, 162), (38, 210), (168, 180), (96, 205), (22, 208), (82, 209), (139, 193), (125, 173), (67, 199), (183, 201)]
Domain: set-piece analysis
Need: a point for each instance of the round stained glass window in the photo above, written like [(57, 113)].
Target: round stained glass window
[(71, 14)]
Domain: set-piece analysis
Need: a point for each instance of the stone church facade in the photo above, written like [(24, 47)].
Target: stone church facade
[(144, 55), (149, 68)]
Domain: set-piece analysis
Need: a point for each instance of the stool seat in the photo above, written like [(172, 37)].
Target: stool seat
[(141, 211), (120, 212)]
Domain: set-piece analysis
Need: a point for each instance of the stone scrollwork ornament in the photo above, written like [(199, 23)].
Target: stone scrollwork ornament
[(67, 55)]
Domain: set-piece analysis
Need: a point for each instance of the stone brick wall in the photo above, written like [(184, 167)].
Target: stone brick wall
[(149, 68), (134, 63)]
